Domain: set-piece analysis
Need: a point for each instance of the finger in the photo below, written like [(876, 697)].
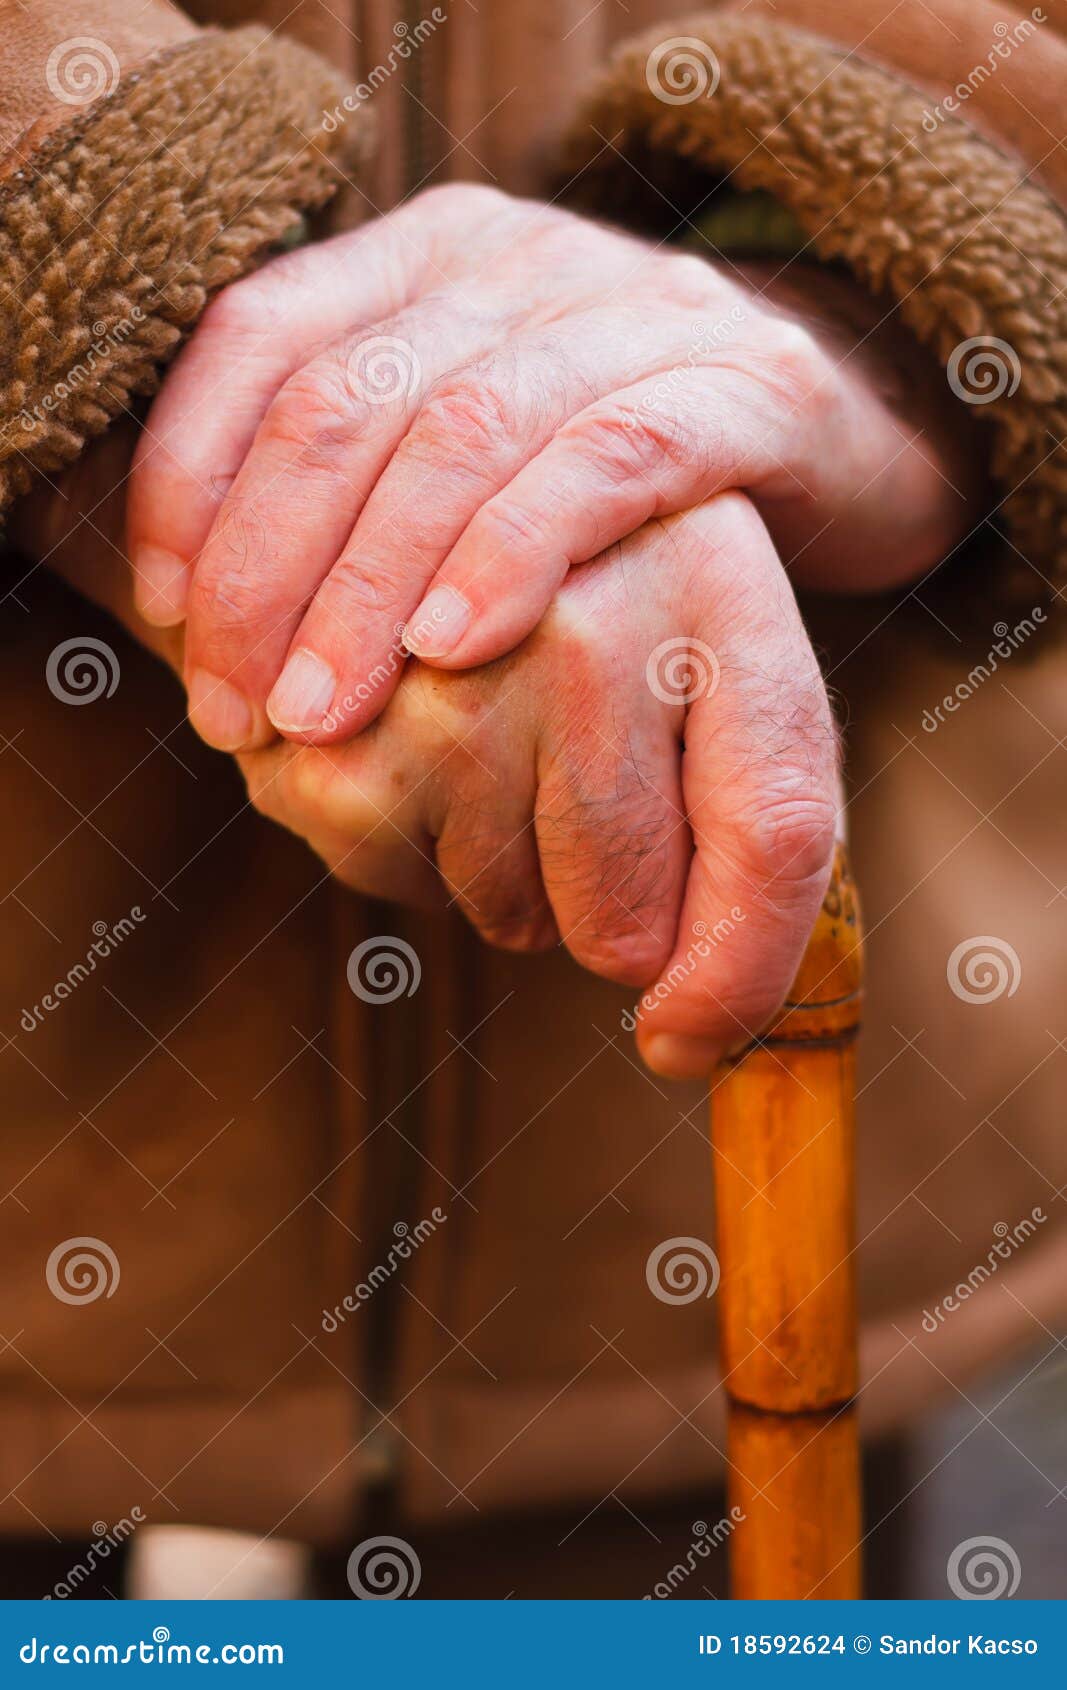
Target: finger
[(486, 847), (760, 792), (611, 829), (345, 806), (657, 447), (384, 867), (317, 453), (490, 867), (473, 432), (249, 341)]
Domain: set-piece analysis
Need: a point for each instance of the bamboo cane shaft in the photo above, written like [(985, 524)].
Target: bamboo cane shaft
[(783, 1143), (782, 1139), (807, 1468)]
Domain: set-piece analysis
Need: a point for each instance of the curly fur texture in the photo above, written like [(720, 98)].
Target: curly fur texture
[(117, 227), (934, 216)]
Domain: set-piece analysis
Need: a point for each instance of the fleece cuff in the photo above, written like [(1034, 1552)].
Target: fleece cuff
[(918, 206), (116, 228)]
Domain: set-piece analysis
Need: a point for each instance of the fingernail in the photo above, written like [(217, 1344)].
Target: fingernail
[(302, 694), (218, 712), (163, 585), (680, 1058), (439, 624)]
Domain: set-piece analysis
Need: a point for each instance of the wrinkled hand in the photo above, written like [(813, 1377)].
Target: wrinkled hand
[(426, 423), (649, 780)]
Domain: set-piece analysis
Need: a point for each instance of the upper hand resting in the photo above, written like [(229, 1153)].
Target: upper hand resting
[(449, 408)]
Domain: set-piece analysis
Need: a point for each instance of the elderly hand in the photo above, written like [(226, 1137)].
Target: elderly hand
[(650, 779), (424, 424)]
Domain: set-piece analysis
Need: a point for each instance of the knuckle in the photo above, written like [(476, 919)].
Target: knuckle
[(315, 415), (310, 779), (443, 716), (505, 526), (630, 440), (246, 310), (474, 416), (728, 527), (789, 842), (235, 587), (226, 597), (727, 520), (318, 791), (355, 589), (570, 663), (629, 956), (792, 360), (524, 931), (690, 280), (508, 915), (461, 198), (295, 786), (566, 241), (374, 372)]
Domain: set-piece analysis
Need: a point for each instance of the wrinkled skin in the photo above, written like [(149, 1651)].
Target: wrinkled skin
[(565, 795), (655, 762), (635, 777), (428, 422)]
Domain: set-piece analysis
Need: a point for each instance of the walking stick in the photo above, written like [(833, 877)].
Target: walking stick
[(782, 1142)]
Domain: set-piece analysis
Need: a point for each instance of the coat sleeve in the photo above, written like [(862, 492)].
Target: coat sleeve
[(918, 145), (144, 163)]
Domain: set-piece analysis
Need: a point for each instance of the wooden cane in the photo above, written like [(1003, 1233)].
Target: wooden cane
[(782, 1140)]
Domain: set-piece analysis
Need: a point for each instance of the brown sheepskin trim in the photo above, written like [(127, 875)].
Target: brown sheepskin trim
[(926, 211), (117, 228)]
